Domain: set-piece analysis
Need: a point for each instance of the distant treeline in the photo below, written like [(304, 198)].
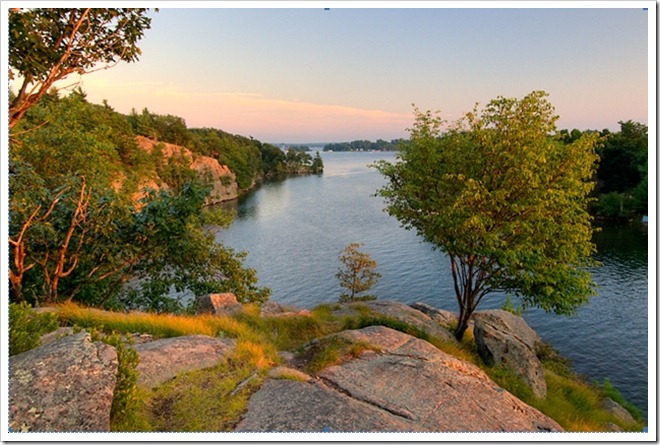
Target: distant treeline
[(621, 190), (364, 145)]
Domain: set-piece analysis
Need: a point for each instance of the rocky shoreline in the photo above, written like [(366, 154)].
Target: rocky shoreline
[(396, 382)]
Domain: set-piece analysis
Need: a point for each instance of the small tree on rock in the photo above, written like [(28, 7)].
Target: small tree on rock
[(357, 274)]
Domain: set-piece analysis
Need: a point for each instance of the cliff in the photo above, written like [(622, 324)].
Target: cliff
[(225, 187)]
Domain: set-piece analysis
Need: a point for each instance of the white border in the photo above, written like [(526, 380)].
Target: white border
[(651, 435)]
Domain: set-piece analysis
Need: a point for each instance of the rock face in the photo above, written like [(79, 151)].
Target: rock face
[(505, 339), (442, 317), (225, 187), (161, 360), (218, 304), (404, 313), (408, 386), (65, 385)]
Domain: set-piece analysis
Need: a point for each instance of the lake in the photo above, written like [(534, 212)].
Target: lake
[(294, 230)]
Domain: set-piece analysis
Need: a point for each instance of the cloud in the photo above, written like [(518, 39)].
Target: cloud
[(251, 113)]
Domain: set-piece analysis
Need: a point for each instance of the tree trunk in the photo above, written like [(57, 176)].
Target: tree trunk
[(463, 319)]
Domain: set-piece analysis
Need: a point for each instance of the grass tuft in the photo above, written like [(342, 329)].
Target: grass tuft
[(332, 351)]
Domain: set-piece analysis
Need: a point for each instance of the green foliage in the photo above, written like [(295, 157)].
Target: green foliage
[(26, 327), (332, 351), (211, 399), (555, 362), (164, 128), (510, 307), (610, 391), (76, 232), (48, 44), (241, 154), (286, 333), (622, 174), (364, 145), (176, 250), (503, 199), (364, 321), (357, 274), (126, 401)]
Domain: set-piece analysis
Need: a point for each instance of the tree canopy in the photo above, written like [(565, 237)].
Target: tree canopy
[(48, 44), (504, 199)]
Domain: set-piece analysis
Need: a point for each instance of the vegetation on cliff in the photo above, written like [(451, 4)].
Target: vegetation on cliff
[(76, 231)]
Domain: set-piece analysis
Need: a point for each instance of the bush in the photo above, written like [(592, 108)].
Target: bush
[(27, 326)]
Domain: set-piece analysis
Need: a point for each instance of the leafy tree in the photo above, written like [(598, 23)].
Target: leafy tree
[(357, 274), (48, 44), (503, 199), (317, 164), (623, 158)]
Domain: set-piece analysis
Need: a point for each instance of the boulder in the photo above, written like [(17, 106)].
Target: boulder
[(65, 385), (446, 319), (401, 312), (409, 385), (218, 304), (617, 410), (505, 339), (161, 360)]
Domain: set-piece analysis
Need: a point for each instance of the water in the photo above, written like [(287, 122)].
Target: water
[(294, 230)]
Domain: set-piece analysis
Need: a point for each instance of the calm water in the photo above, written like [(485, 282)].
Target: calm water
[(294, 230)]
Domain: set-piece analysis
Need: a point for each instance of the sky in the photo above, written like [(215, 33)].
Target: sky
[(313, 74)]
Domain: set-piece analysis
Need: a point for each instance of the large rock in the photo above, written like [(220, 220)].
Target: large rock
[(65, 385), (161, 360), (401, 312), (295, 406), (218, 304), (505, 339), (408, 386)]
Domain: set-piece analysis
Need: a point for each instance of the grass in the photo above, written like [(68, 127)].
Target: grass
[(333, 351), (214, 399), (210, 399)]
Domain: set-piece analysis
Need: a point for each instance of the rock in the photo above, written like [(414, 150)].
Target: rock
[(273, 309), (55, 335), (65, 385), (401, 312), (617, 410), (218, 304), (161, 360), (293, 406), (505, 339), (224, 183), (446, 319), (409, 386)]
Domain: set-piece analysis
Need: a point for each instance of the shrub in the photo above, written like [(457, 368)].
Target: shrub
[(27, 326)]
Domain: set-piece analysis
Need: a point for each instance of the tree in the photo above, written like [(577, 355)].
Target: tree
[(48, 44), (503, 199), (357, 274)]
